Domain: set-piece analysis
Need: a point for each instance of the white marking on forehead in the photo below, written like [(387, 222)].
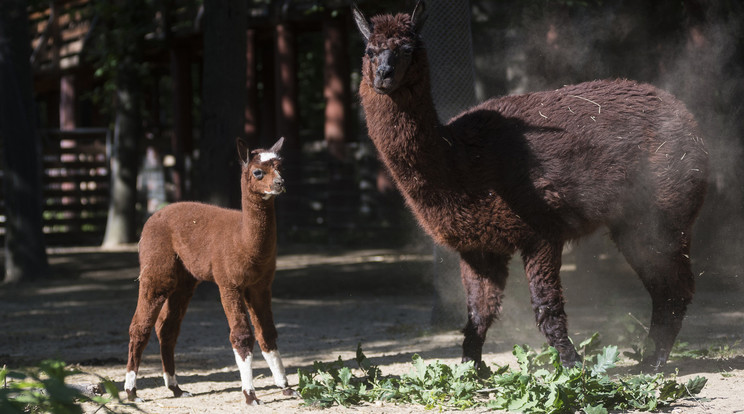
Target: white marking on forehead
[(265, 156)]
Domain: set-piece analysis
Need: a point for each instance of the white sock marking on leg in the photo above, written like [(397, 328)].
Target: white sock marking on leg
[(246, 371), (277, 367), (169, 380), (130, 380)]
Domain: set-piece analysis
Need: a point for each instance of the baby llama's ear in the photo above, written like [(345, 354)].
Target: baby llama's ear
[(243, 151), (361, 22), (277, 146), (418, 16)]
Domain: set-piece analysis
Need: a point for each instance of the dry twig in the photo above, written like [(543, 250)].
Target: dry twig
[(599, 107)]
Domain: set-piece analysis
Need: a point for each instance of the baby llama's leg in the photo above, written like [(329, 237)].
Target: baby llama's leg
[(168, 327), (150, 301), (259, 306), (241, 338)]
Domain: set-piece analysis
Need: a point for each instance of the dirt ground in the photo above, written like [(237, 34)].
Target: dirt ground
[(325, 303)]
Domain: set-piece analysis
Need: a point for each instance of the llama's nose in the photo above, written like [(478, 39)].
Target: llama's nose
[(278, 182), (384, 71)]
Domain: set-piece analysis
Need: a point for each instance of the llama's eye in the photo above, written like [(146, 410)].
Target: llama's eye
[(370, 53), (406, 50), (258, 174)]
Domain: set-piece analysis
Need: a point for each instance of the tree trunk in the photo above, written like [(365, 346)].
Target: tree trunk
[(336, 85), (121, 222), (286, 112), (252, 110), (223, 107), (182, 139), (25, 255), (123, 20)]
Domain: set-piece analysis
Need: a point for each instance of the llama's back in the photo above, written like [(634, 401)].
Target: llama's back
[(593, 150), (191, 233)]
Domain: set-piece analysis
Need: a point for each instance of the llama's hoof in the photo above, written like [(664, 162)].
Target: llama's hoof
[(477, 363), (654, 363), (132, 396), (572, 359), (572, 363), (178, 392), (250, 397), (289, 392)]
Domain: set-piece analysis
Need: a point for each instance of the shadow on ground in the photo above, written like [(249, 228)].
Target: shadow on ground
[(327, 302)]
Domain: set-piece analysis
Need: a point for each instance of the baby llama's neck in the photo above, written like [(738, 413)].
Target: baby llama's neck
[(258, 225)]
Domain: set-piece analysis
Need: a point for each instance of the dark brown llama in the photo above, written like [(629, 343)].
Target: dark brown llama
[(187, 243), (532, 172)]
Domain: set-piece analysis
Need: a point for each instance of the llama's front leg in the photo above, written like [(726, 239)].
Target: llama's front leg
[(259, 306), (483, 277), (241, 338), (542, 265)]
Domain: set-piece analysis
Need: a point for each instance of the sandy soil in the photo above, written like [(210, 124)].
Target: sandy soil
[(325, 303)]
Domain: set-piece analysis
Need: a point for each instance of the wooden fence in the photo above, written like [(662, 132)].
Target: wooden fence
[(334, 202), (75, 186)]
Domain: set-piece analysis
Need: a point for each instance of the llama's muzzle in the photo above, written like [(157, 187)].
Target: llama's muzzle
[(383, 86), (277, 186), (384, 74)]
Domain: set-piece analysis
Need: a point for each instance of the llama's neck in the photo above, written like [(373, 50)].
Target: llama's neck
[(406, 131), (258, 222)]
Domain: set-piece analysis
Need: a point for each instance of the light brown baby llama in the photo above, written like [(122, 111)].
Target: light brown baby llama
[(187, 243)]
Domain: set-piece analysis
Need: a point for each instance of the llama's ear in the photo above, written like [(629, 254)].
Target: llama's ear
[(243, 151), (418, 16), (277, 146), (361, 22)]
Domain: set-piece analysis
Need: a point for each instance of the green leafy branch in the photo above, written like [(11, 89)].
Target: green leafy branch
[(43, 390), (540, 384)]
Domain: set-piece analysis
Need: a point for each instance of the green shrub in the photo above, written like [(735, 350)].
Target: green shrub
[(539, 385), (43, 390)]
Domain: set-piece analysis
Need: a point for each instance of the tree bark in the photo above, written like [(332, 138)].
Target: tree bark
[(25, 254), (285, 87), (121, 222), (223, 107), (123, 20), (251, 91), (182, 141), (336, 87)]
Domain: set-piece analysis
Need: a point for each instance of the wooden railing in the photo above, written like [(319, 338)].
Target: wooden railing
[(334, 202), (75, 186)]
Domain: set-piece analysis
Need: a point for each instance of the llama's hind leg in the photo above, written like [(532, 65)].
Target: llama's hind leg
[(168, 327), (259, 307), (483, 277), (241, 338), (661, 259), (149, 303), (542, 265)]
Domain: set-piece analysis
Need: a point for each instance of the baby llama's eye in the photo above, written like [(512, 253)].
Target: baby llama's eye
[(258, 174)]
